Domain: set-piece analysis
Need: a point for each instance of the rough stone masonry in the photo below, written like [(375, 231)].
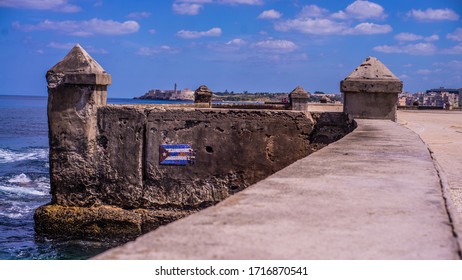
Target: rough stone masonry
[(106, 161)]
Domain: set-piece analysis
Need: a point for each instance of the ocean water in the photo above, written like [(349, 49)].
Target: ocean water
[(25, 182)]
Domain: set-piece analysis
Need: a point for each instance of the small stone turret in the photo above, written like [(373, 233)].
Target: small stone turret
[(203, 95), (299, 99), (77, 86), (371, 91)]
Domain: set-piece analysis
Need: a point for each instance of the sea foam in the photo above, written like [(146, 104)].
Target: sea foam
[(15, 210), (22, 190), (8, 156), (20, 179)]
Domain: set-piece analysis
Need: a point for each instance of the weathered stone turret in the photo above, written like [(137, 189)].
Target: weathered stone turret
[(77, 86), (299, 99), (203, 95), (371, 91)]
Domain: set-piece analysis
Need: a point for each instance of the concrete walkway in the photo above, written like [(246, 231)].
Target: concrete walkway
[(442, 132), (375, 194)]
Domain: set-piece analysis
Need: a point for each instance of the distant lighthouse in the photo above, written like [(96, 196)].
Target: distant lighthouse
[(174, 89)]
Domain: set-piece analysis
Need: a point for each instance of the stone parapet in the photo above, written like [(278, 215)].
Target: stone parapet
[(120, 170), (232, 150), (203, 95), (371, 91), (299, 99)]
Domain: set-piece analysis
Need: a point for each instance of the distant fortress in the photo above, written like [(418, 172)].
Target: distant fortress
[(158, 94)]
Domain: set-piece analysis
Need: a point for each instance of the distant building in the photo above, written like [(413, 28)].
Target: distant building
[(158, 94), (439, 98), (447, 90), (442, 97), (185, 94)]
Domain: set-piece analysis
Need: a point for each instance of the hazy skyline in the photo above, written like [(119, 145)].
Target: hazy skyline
[(239, 45)]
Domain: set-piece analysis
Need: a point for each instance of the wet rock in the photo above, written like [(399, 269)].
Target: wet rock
[(100, 223)]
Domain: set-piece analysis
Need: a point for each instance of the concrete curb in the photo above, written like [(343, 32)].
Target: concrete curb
[(453, 215), (450, 207)]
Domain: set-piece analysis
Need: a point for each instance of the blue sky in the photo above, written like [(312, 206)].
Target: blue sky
[(239, 45)]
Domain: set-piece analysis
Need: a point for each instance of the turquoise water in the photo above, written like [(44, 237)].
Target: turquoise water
[(25, 182)]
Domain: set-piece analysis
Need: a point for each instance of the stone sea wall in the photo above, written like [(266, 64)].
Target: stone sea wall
[(119, 187), (122, 170)]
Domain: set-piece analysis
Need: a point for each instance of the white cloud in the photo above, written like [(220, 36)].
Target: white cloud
[(54, 5), (149, 51), (413, 49), (276, 45), (152, 31), (427, 48), (194, 1), (247, 2), (432, 38), (404, 36), (64, 46), (68, 46), (193, 7), (360, 9), (433, 14), (367, 28), (339, 15), (403, 76), (457, 49), (270, 14), (409, 37), (236, 42), (312, 26), (327, 26), (93, 50), (186, 34), (456, 35), (138, 15), (424, 71), (365, 10), (454, 64), (313, 11), (319, 21), (84, 28), (230, 46), (187, 8), (98, 3)]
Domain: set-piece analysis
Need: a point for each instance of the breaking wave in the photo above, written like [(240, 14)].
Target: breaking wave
[(20, 179), (9, 156), (23, 190), (21, 194), (15, 210)]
